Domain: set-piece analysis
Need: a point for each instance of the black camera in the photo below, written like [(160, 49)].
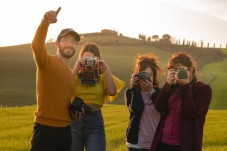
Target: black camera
[(88, 78), (144, 76), (90, 62), (78, 104), (182, 73)]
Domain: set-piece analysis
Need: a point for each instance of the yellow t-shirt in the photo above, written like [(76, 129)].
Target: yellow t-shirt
[(96, 94)]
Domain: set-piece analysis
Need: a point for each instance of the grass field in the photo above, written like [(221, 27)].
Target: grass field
[(16, 128), (216, 75)]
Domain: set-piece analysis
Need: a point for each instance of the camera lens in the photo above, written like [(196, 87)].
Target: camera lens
[(89, 62), (182, 74)]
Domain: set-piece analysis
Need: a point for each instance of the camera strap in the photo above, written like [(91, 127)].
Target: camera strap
[(89, 76)]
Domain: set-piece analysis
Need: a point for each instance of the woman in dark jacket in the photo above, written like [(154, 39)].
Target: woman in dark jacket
[(140, 102), (185, 102)]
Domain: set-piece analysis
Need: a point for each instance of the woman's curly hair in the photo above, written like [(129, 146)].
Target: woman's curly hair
[(143, 61)]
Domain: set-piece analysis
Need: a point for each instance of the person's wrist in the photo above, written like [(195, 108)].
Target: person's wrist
[(107, 70), (45, 22), (76, 70), (150, 93), (136, 86), (170, 82)]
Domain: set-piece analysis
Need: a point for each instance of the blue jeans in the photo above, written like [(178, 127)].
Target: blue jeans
[(89, 132)]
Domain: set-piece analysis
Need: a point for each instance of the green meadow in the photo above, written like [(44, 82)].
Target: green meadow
[(16, 128), (216, 75)]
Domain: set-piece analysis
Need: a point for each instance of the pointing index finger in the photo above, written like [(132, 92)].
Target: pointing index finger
[(58, 10)]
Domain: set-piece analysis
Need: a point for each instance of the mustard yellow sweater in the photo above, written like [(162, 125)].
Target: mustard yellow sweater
[(54, 84)]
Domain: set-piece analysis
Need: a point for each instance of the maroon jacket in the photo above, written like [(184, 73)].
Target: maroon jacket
[(196, 98)]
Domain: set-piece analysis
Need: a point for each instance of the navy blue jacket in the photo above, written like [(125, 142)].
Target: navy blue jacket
[(135, 104)]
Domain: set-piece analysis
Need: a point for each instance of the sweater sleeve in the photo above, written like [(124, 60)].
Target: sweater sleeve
[(134, 100), (196, 102), (38, 45)]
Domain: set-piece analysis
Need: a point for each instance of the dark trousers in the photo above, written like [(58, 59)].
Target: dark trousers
[(167, 147), (136, 149), (48, 138)]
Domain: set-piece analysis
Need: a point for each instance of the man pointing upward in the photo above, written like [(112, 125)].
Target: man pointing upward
[(54, 87)]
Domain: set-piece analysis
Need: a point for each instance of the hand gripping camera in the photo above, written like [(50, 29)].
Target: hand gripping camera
[(90, 62), (144, 76), (89, 73), (78, 104), (182, 73)]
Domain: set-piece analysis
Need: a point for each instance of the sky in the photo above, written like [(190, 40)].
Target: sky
[(197, 20)]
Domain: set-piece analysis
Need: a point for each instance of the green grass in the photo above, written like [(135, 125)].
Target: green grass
[(16, 128), (17, 122), (216, 75), (215, 130)]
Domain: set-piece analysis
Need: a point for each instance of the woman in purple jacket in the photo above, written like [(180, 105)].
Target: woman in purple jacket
[(184, 101)]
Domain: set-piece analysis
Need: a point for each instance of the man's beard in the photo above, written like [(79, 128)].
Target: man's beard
[(65, 54)]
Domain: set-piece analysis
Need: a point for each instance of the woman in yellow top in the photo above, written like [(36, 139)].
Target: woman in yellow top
[(94, 84)]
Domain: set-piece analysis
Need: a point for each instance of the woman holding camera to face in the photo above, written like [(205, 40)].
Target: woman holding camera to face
[(94, 84), (184, 101), (140, 100)]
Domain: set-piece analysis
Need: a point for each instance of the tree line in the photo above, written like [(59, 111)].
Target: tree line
[(166, 38)]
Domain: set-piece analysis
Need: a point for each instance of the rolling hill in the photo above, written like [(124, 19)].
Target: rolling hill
[(17, 76)]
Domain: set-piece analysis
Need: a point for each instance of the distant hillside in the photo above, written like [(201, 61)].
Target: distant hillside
[(17, 76), (200, 54)]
